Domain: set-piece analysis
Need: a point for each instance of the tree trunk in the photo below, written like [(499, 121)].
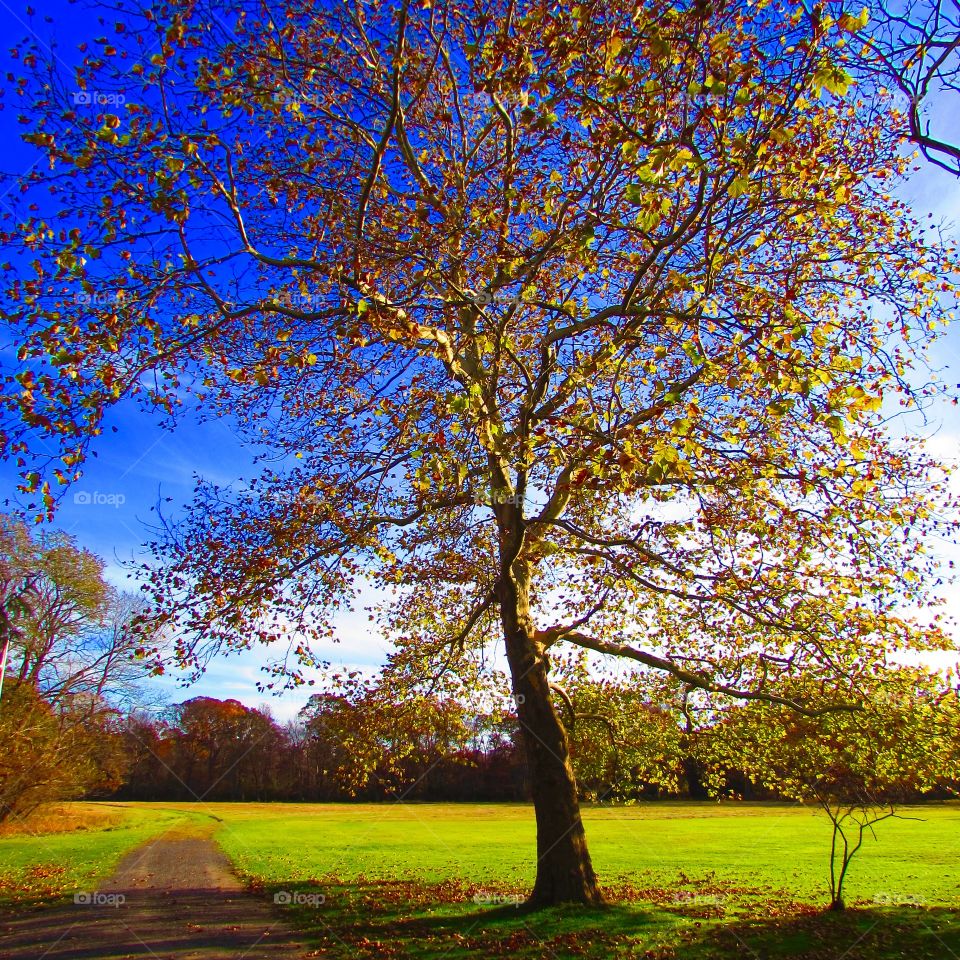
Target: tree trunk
[(564, 870)]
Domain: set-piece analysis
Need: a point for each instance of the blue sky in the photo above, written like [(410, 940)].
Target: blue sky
[(110, 510), (138, 463)]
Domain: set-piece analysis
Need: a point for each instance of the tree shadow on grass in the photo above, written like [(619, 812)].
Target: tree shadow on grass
[(372, 918), (886, 933), (411, 919)]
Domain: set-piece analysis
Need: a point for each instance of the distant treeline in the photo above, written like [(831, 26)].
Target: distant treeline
[(339, 749), (222, 750)]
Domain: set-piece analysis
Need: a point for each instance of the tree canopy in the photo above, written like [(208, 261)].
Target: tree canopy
[(569, 325), (857, 767)]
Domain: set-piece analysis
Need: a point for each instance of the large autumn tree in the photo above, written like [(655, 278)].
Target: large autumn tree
[(562, 324)]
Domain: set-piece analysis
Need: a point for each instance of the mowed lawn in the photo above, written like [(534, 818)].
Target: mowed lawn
[(759, 845), (685, 880)]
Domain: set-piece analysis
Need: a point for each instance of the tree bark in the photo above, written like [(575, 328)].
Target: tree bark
[(564, 871)]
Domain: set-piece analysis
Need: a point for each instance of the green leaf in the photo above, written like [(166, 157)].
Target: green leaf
[(829, 76), (648, 220)]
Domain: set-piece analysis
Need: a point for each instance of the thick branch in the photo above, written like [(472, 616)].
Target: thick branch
[(699, 680)]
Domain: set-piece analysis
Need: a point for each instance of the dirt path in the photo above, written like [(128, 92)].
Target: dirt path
[(181, 901)]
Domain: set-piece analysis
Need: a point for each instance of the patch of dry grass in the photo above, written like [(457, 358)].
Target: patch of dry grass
[(64, 818)]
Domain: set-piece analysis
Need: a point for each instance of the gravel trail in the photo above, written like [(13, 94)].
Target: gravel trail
[(180, 901)]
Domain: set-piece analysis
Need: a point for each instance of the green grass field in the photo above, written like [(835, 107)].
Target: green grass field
[(438, 880)]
